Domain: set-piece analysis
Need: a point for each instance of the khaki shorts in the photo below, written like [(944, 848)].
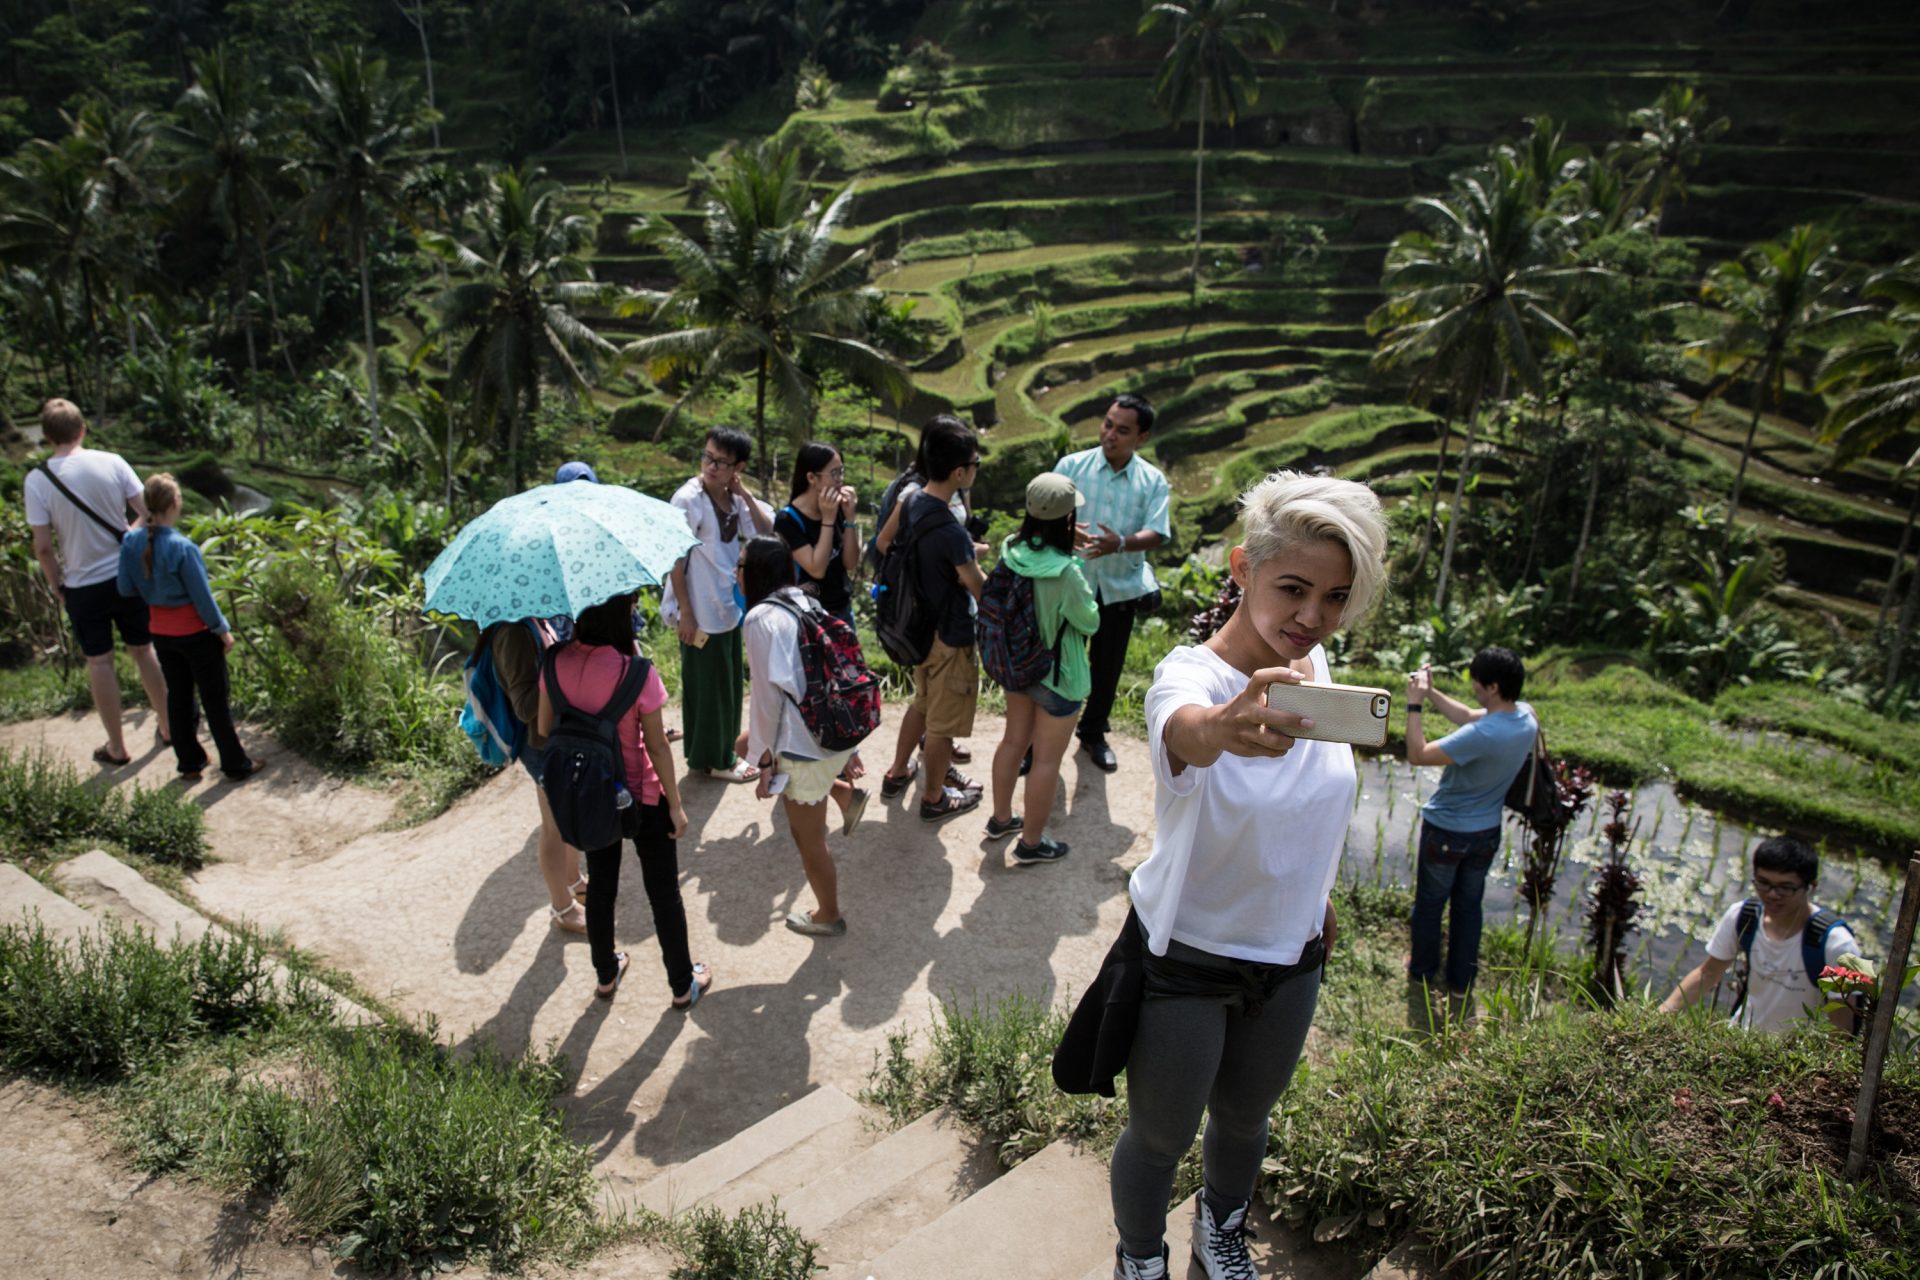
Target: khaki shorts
[(946, 688), (810, 781)]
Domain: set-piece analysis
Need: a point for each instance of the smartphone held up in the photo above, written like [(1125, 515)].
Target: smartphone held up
[(1349, 713)]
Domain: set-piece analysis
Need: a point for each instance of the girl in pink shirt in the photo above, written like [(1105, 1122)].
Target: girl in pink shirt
[(589, 668)]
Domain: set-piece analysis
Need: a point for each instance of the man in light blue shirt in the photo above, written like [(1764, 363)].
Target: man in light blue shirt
[(1460, 822), (1125, 517)]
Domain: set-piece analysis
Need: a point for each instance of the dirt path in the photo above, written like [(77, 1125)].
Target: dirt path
[(70, 1209), (449, 920)]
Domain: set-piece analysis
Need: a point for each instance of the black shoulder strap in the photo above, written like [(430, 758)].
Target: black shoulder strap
[(1813, 941), (627, 692), (550, 676), (1748, 924), (117, 530)]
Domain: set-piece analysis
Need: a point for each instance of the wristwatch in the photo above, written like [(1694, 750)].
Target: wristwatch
[(1413, 708)]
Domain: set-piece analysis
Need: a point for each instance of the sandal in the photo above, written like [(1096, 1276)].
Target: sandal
[(564, 920), (674, 735), (104, 755), (579, 889), (741, 771), (702, 979), (607, 990)]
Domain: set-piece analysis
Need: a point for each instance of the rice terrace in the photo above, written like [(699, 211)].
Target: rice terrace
[(385, 385)]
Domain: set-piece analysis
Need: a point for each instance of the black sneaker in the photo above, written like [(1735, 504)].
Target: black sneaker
[(949, 803), (891, 786), (1048, 850), (997, 830)]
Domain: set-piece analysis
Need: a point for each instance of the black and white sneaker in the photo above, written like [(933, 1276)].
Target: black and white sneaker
[(1127, 1267), (1221, 1247), (1048, 850), (997, 830)]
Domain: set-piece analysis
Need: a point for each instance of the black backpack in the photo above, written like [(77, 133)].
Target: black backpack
[(1534, 793), (585, 765), (1813, 946), (902, 617)]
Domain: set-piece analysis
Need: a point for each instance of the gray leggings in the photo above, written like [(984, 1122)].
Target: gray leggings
[(1194, 1053)]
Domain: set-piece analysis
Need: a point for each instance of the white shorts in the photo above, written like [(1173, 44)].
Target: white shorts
[(810, 781)]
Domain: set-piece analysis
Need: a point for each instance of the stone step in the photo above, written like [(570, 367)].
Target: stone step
[(1047, 1219), (908, 1178), (776, 1157), (109, 887), (22, 898)]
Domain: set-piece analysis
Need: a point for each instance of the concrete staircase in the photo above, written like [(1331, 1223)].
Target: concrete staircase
[(98, 887)]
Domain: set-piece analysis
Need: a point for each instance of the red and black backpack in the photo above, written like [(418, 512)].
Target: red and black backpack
[(841, 705)]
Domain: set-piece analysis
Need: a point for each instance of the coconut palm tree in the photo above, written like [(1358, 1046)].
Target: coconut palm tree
[(1472, 302), (360, 126), (226, 162), (764, 292), (1876, 378), (1672, 133), (53, 221), (1774, 298), (1208, 71), (516, 313)]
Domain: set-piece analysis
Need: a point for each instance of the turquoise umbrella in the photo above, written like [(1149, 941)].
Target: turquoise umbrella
[(556, 550)]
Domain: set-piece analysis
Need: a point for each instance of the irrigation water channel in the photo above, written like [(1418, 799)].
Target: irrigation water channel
[(1692, 863)]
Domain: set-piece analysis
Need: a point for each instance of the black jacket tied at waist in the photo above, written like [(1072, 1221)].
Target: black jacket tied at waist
[(1099, 1035)]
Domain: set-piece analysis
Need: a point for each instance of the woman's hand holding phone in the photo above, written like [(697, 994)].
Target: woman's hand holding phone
[(1247, 726)]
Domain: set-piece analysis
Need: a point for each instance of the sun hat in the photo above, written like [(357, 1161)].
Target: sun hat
[(575, 470), (1051, 495)]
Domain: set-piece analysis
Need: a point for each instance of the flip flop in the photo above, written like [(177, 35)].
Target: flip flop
[(605, 992), (674, 735), (740, 772), (702, 979), (104, 756)]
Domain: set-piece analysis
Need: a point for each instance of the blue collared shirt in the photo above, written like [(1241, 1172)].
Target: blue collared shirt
[(1128, 501), (179, 573)]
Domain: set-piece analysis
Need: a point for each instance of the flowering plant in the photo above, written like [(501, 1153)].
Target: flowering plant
[(1854, 984)]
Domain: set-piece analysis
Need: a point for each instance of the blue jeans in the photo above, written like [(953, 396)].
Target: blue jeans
[(1453, 870)]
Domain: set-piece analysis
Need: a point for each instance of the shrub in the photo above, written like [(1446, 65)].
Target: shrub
[(117, 1001), (44, 802), (754, 1244), (1615, 1144)]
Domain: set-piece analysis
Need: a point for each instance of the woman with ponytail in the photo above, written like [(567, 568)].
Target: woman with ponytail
[(190, 634)]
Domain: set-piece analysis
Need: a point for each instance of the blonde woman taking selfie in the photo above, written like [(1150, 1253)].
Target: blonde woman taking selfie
[(1232, 905)]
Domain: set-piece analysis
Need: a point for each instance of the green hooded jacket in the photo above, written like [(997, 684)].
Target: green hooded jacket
[(1062, 598)]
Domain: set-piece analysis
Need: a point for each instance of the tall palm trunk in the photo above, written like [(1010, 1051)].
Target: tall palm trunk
[(418, 18), (1586, 521), (1199, 159), (1459, 501), (1902, 630), (619, 129), (760, 424), (273, 302), (1899, 561), (253, 363), (1740, 475), (1433, 501), (373, 352), (93, 345)]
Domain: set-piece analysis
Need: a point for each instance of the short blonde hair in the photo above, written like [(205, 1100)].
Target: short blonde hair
[(61, 421), (1290, 508)]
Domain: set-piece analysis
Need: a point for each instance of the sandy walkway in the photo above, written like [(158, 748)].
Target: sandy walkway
[(449, 920)]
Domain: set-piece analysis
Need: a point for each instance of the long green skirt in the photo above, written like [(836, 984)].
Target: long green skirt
[(712, 681)]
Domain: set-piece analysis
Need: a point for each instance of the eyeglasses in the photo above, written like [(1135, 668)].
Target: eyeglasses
[(1776, 889), (974, 463), (718, 464)]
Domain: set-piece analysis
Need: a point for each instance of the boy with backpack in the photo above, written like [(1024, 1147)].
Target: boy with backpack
[(924, 618), (1784, 939), (1035, 617)]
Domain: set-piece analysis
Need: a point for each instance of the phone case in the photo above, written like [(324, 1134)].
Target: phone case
[(1350, 713)]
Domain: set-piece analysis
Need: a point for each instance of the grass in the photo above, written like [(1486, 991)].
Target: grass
[(46, 808)]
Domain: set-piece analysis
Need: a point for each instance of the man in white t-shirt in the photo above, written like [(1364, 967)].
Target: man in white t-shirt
[(77, 509), (1786, 936)]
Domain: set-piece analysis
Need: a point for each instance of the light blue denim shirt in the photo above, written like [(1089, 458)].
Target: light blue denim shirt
[(179, 573), (1127, 501)]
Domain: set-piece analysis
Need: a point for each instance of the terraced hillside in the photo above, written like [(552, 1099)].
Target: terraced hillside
[(1040, 215)]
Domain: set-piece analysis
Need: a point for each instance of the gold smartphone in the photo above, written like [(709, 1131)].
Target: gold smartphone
[(1350, 713)]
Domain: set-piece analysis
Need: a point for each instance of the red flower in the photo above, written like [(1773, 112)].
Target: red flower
[(1775, 1100)]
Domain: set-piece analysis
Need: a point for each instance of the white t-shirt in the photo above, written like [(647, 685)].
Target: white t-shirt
[(778, 678), (1778, 992), (104, 481), (1244, 850), (710, 565)]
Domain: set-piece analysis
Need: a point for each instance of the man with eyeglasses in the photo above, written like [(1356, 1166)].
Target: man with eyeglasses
[(1785, 940), (702, 602)]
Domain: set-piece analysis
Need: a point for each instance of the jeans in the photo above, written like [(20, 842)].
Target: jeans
[(1194, 1055), (1453, 871), (659, 857), (1050, 702), (198, 663), (1106, 657)]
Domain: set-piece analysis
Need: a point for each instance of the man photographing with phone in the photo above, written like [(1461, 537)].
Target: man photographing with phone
[(1460, 821)]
